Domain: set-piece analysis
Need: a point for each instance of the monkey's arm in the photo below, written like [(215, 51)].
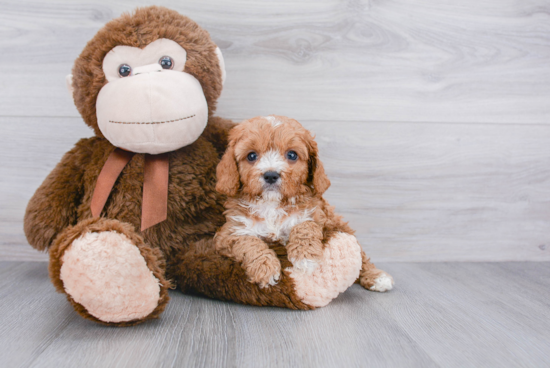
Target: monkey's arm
[(54, 205), (216, 132)]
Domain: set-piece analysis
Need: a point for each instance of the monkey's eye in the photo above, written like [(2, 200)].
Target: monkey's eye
[(124, 70), (292, 156), (166, 62), (252, 156)]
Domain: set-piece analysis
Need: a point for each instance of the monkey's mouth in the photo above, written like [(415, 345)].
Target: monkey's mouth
[(150, 122)]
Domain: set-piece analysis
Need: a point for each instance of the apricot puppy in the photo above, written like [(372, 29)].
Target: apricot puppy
[(274, 181)]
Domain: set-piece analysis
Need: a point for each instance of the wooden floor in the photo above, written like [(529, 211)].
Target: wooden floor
[(439, 315)]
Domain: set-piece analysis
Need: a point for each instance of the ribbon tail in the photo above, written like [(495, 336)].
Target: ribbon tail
[(155, 190), (116, 162)]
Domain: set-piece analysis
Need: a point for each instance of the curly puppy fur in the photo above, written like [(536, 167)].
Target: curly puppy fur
[(289, 211)]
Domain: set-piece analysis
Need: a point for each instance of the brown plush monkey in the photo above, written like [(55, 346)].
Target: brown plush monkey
[(131, 212)]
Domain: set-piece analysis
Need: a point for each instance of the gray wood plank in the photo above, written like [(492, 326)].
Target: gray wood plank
[(465, 314), (200, 332), (340, 334), (431, 61), (440, 314), (32, 314), (413, 192), (192, 332)]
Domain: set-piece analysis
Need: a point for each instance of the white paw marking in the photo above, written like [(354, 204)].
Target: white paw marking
[(305, 265), (382, 283), (273, 280)]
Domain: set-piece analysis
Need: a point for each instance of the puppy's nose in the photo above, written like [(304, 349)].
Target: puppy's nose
[(271, 177)]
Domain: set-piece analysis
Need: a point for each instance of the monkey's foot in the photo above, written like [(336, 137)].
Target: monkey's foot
[(107, 275), (337, 271)]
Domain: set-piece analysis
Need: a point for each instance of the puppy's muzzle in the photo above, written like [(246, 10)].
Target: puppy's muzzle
[(271, 177)]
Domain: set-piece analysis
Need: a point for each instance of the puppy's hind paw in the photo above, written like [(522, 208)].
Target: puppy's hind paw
[(382, 283)]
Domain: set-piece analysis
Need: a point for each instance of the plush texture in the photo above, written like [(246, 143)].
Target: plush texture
[(153, 257), (140, 29), (152, 110), (146, 123), (339, 270), (148, 56), (178, 252), (106, 274)]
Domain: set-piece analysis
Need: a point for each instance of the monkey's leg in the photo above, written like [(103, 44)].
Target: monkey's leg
[(202, 270), (372, 278), (108, 273)]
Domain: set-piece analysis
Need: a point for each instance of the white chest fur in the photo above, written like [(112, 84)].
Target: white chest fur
[(269, 221)]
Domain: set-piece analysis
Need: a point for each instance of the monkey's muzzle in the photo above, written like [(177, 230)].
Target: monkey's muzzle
[(153, 111)]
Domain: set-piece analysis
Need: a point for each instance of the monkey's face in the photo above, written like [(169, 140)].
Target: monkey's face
[(150, 104)]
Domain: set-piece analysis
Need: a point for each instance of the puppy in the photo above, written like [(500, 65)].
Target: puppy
[(274, 181)]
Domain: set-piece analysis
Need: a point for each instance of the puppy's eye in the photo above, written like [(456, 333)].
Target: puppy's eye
[(292, 156), (252, 156), (166, 62), (124, 70)]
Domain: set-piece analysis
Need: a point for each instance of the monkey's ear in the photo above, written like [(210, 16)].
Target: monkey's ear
[(69, 81), (222, 63), (229, 180)]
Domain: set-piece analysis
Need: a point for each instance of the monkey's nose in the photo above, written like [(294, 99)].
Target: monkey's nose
[(151, 68), (271, 177)]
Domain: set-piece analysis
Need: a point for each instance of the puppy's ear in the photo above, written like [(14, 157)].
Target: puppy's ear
[(316, 177), (228, 174)]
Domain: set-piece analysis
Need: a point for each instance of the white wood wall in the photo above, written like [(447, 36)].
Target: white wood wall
[(433, 116)]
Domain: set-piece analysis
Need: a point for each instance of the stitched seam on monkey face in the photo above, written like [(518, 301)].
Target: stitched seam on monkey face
[(153, 122)]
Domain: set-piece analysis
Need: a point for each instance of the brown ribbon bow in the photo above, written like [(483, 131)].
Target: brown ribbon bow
[(155, 185)]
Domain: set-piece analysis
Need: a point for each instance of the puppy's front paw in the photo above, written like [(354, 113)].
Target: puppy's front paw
[(264, 270), (306, 256)]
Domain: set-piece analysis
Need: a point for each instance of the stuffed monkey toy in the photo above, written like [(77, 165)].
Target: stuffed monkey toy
[(132, 211)]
